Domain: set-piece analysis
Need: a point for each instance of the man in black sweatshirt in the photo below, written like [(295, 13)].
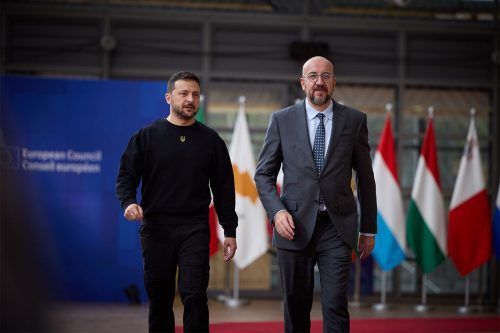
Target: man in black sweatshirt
[(179, 161)]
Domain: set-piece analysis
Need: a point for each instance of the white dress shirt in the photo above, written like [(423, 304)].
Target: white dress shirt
[(313, 122)]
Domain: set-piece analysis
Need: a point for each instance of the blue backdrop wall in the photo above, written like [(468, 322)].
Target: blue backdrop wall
[(64, 139)]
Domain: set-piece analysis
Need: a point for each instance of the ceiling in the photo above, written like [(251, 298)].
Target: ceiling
[(464, 10)]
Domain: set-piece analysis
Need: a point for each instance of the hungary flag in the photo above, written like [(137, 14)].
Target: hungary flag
[(425, 223)]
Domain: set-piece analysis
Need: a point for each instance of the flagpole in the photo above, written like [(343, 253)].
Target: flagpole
[(382, 306), (430, 111), (357, 284), (466, 308), (479, 306), (235, 301), (357, 263), (388, 108), (390, 208), (423, 307), (227, 286)]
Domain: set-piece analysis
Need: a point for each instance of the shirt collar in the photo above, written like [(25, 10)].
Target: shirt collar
[(312, 112)]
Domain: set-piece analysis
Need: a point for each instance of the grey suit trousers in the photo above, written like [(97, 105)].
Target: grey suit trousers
[(333, 257)]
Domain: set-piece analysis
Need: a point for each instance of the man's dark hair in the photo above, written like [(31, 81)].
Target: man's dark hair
[(182, 75)]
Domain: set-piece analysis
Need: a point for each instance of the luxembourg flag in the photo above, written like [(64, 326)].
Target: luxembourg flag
[(496, 227), (425, 222), (390, 242), (469, 229)]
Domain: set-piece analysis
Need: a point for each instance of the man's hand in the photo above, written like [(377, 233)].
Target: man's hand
[(365, 245), (229, 248), (283, 223), (133, 213)]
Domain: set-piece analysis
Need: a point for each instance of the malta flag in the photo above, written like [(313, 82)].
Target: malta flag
[(469, 228), (390, 241), (496, 227), (425, 223), (251, 233)]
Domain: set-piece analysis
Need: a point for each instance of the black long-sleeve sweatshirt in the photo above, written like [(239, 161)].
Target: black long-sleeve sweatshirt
[(178, 165)]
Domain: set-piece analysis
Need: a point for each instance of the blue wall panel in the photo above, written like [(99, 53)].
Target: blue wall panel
[(88, 250)]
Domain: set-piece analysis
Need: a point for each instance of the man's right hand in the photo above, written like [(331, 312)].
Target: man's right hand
[(133, 213), (283, 223)]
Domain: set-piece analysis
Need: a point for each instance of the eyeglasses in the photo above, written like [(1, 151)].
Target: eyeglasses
[(313, 76)]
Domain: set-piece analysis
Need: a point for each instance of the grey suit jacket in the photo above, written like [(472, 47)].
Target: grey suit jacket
[(287, 142)]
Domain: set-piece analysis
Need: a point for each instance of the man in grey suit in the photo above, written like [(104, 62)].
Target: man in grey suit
[(318, 143)]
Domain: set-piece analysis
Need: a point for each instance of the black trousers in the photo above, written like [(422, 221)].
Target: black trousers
[(333, 257), (164, 248)]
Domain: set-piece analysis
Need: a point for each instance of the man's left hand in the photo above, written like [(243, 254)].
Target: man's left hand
[(229, 248), (365, 245)]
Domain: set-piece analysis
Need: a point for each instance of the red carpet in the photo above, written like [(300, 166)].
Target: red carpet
[(382, 325)]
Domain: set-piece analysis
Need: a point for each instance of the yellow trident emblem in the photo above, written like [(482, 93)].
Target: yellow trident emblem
[(182, 138)]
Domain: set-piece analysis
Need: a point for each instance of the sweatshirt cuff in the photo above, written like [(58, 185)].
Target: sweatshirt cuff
[(128, 202), (230, 231)]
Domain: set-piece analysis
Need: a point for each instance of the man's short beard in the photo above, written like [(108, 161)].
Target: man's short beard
[(319, 100), (183, 115)]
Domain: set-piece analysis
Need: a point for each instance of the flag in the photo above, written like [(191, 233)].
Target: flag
[(251, 233), (425, 222), (213, 221), (200, 116), (390, 241), (496, 227), (469, 226), (354, 188), (212, 215)]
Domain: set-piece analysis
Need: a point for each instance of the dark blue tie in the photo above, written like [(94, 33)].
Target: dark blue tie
[(319, 144), (319, 149)]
